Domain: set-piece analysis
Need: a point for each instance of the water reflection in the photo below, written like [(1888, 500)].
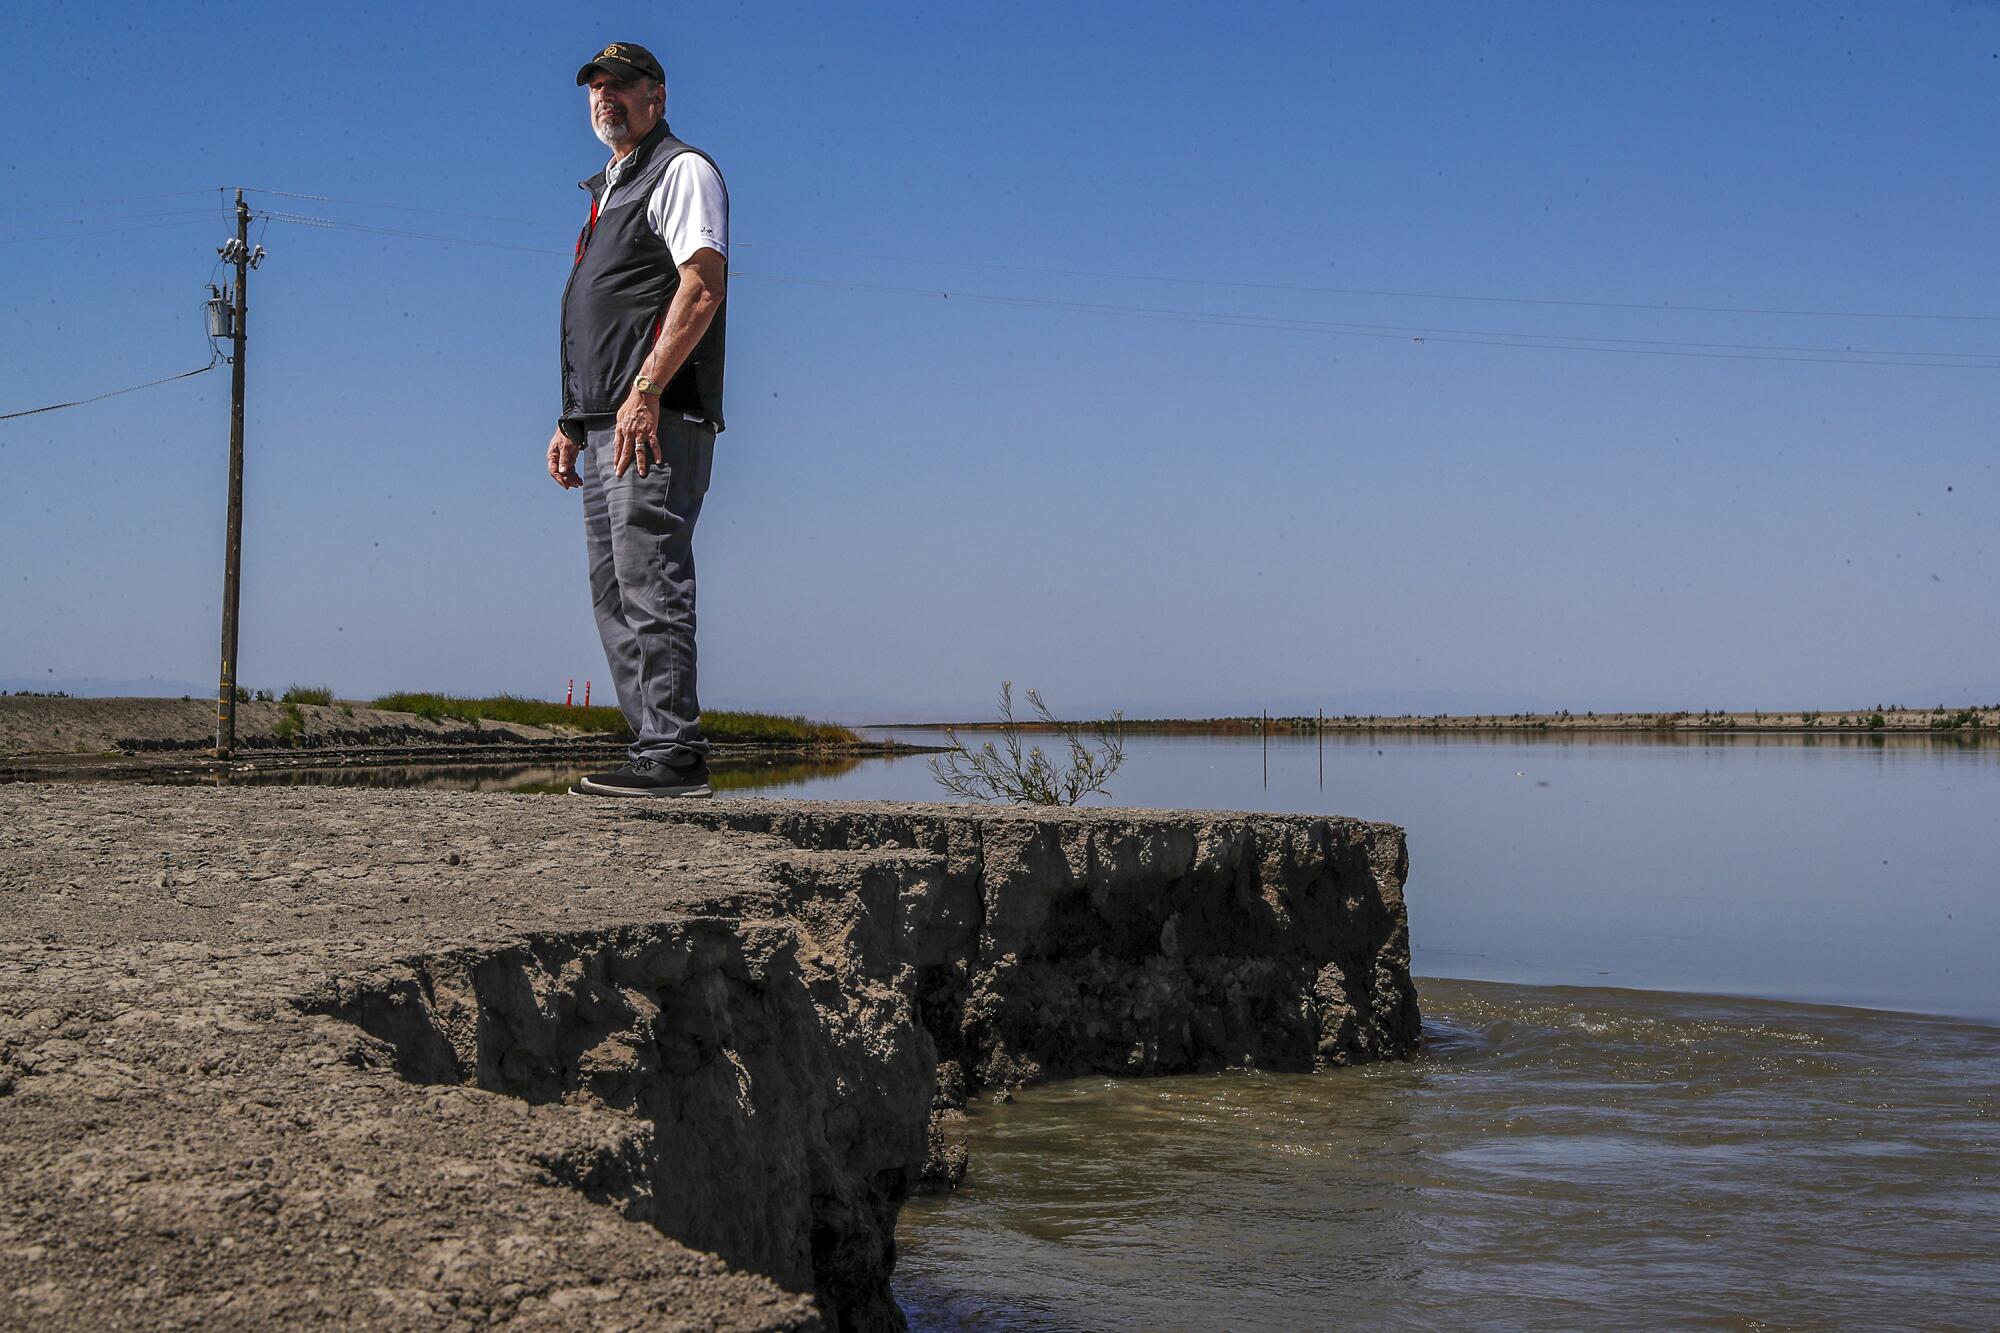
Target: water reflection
[(1830, 738)]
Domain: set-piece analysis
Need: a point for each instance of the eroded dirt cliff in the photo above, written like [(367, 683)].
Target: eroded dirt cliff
[(428, 1059)]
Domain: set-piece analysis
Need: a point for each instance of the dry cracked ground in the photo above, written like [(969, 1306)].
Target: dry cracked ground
[(183, 1144), (299, 1057)]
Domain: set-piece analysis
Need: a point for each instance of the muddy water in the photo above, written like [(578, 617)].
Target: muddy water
[(1567, 1158), (1642, 1158)]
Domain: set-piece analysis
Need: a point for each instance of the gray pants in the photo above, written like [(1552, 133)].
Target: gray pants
[(640, 532)]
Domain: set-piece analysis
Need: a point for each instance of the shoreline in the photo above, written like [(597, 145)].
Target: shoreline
[(1970, 723), (1989, 1022), (46, 767), (137, 738)]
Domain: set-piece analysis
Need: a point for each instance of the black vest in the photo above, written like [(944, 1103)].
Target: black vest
[(619, 290)]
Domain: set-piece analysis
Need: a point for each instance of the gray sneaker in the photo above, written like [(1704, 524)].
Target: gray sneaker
[(647, 777)]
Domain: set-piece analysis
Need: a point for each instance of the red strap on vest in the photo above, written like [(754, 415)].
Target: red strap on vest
[(589, 230)]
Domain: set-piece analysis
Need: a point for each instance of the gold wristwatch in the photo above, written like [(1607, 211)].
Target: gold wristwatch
[(644, 385)]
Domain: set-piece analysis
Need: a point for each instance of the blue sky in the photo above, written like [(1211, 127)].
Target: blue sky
[(1253, 487)]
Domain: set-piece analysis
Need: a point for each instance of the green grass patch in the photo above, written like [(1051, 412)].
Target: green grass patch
[(740, 728), (307, 694), (291, 725), (501, 708), (770, 727)]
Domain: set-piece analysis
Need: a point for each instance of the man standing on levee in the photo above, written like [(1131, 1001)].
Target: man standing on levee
[(642, 353)]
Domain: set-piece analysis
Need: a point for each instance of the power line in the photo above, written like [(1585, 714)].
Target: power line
[(94, 398), (1659, 307), (1833, 355), (1477, 338), (87, 219), (96, 203), (81, 232), (305, 220), (1655, 308), (400, 208), (1397, 333)]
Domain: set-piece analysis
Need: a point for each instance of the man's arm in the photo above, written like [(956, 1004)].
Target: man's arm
[(703, 279)]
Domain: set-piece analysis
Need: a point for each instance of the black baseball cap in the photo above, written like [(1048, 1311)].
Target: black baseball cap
[(623, 60)]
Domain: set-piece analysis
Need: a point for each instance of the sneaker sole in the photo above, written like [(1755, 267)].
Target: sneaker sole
[(586, 787)]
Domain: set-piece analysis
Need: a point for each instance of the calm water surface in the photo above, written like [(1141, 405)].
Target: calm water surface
[(1592, 1138), (1840, 872)]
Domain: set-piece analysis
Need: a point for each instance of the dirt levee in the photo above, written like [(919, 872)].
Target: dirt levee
[(293, 1057), (33, 725)]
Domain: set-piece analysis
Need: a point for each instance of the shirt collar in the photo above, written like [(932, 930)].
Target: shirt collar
[(616, 168)]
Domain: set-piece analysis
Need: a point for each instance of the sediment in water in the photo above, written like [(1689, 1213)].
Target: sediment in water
[(323, 1057)]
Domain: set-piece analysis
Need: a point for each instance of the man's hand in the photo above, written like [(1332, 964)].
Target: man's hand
[(638, 432), (562, 460)]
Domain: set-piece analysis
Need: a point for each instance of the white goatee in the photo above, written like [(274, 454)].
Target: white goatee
[(612, 133)]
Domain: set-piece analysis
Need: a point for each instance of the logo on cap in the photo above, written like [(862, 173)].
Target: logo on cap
[(614, 51)]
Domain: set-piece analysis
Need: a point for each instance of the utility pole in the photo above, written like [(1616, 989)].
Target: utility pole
[(225, 703)]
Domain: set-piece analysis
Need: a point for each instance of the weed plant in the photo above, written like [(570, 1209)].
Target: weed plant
[(291, 725), (1007, 773)]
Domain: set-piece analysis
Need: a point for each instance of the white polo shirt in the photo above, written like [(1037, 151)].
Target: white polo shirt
[(689, 209)]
